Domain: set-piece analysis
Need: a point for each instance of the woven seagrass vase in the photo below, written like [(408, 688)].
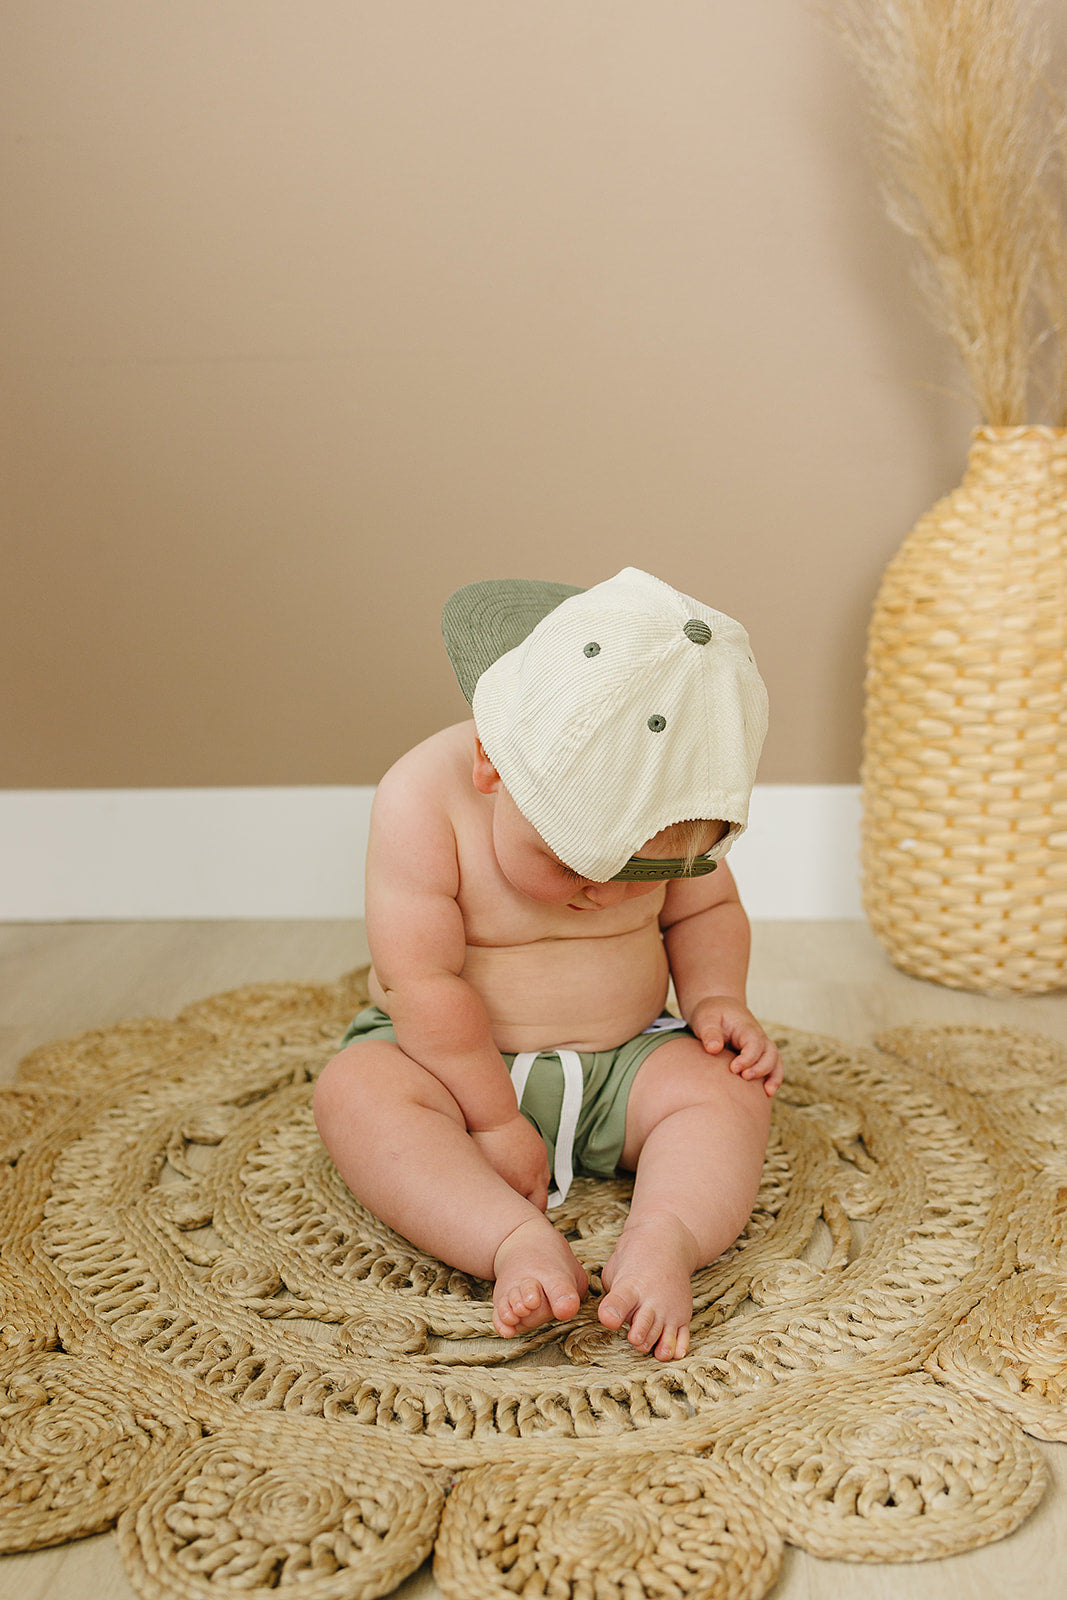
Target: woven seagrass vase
[(965, 748)]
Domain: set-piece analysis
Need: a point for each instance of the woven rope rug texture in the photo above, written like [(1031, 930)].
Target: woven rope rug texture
[(207, 1341)]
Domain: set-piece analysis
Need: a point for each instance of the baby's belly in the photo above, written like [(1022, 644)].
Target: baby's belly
[(593, 994)]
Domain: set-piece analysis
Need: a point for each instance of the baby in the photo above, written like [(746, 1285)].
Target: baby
[(535, 879)]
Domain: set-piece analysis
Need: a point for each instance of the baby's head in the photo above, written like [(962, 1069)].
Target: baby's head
[(532, 867), (611, 716)]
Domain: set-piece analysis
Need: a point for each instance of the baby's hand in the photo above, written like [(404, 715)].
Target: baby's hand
[(517, 1152), (720, 1022)]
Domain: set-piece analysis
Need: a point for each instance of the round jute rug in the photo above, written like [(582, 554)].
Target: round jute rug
[(207, 1340)]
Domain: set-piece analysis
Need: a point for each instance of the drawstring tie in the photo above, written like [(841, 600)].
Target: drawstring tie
[(570, 1061)]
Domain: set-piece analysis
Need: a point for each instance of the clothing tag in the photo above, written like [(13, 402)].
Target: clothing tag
[(665, 1024)]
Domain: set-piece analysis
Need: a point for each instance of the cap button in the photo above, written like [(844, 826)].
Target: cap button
[(697, 630)]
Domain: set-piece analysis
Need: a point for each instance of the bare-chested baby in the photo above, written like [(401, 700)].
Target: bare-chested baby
[(535, 879)]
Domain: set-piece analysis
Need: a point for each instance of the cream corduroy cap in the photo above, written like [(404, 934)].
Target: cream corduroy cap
[(627, 707)]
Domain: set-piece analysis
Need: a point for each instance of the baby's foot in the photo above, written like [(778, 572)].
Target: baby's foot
[(537, 1278), (648, 1283)]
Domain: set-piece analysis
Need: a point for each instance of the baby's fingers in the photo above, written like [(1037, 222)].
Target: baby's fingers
[(751, 1047), (773, 1082), (767, 1066)]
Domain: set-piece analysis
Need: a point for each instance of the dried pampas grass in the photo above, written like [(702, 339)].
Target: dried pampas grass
[(970, 151)]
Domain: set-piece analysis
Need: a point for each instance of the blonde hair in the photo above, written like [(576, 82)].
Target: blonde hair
[(691, 838)]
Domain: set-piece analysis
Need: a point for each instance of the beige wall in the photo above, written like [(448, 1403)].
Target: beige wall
[(315, 311)]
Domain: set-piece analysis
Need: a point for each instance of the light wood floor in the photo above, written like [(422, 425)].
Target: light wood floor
[(824, 977)]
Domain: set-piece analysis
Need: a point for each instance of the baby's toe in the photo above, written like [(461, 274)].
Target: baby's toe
[(610, 1314), (504, 1320), (529, 1305), (513, 1305), (672, 1345), (564, 1300), (525, 1297), (645, 1329), (616, 1308)]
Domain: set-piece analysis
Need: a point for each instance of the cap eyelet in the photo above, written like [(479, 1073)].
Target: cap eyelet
[(592, 648), (657, 724)]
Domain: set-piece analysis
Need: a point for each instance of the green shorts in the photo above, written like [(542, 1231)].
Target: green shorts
[(541, 1081)]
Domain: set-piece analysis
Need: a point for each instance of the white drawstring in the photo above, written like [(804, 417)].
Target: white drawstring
[(665, 1024), (570, 1061)]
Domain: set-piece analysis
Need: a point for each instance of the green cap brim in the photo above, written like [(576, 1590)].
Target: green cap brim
[(645, 869), (483, 621)]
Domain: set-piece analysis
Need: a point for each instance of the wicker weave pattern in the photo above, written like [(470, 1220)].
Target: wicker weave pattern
[(205, 1336), (965, 751)]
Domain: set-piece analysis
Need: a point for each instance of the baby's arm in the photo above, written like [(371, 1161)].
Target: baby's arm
[(418, 947), (706, 934)]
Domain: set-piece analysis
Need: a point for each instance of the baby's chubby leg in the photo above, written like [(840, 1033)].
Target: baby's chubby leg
[(696, 1135), (400, 1142)]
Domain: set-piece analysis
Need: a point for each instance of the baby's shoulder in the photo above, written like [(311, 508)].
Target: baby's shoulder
[(412, 847), (430, 781)]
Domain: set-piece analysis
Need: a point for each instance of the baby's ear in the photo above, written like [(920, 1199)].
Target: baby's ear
[(486, 777)]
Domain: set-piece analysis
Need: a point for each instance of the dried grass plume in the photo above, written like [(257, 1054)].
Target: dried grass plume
[(969, 143)]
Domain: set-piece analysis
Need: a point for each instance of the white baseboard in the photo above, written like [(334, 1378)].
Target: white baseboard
[(799, 861), (88, 855), (99, 855)]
